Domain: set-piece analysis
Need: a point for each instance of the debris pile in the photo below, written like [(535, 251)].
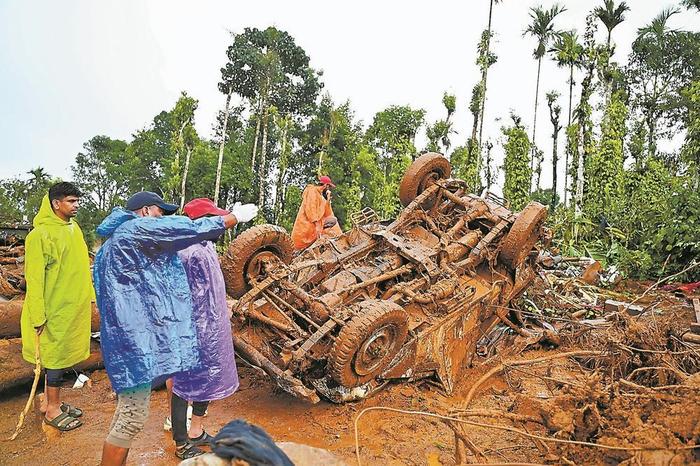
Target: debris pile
[(12, 282), (622, 387)]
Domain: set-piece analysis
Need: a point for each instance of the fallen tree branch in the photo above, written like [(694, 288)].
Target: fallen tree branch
[(522, 362)]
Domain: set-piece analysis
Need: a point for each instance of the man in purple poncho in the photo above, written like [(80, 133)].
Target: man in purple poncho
[(217, 377)]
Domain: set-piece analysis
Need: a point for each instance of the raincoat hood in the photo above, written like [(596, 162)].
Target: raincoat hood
[(46, 216), (114, 220)]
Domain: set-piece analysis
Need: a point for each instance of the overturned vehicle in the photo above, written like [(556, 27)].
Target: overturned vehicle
[(387, 300)]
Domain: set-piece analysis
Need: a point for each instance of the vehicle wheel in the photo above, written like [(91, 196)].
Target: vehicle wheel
[(523, 235), (368, 342), (422, 172), (246, 254)]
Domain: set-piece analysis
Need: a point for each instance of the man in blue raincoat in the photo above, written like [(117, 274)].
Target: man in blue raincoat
[(146, 327)]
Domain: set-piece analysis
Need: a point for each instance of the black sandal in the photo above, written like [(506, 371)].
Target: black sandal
[(63, 422), (203, 440), (187, 451), (71, 410)]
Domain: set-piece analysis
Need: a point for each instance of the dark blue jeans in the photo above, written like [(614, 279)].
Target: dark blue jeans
[(54, 377)]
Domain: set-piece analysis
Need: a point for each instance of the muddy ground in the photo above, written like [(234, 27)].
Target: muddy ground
[(597, 399)]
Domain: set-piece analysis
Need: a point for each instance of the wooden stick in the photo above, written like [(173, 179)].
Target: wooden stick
[(32, 393)]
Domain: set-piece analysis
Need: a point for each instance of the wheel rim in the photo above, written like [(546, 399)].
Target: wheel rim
[(429, 179), (255, 266), (371, 354)]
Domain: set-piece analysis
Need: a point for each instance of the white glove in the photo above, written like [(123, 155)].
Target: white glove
[(244, 213)]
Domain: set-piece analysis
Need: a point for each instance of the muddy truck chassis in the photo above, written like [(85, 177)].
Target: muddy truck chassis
[(388, 300)]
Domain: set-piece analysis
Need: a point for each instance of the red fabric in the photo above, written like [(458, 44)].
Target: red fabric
[(325, 180), (314, 210), (687, 288), (200, 207)]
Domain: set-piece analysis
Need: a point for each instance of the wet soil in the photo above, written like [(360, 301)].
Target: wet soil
[(565, 399)]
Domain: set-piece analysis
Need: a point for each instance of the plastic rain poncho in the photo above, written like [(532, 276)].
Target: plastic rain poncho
[(314, 209), (217, 378), (59, 291), (146, 327)]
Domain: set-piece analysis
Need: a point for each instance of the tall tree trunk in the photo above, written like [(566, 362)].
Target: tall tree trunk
[(555, 160), (279, 187), (174, 193), (484, 76), (224, 130), (489, 175), (584, 142), (578, 195), (184, 176), (566, 152), (263, 154), (255, 139), (534, 121)]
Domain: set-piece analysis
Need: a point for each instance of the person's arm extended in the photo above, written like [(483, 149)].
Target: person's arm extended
[(176, 232), (34, 274)]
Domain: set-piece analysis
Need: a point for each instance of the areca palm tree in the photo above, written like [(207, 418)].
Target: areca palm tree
[(485, 70), (691, 4), (567, 52), (656, 32), (658, 26), (611, 16), (542, 29)]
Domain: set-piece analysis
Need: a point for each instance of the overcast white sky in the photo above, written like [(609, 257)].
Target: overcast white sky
[(70, 70)]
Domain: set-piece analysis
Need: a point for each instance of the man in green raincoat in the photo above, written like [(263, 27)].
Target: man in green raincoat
[(57, 307)]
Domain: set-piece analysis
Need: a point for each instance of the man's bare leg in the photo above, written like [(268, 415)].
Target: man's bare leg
[(113, 455), (196, 427), (52, 395), (169, 389)]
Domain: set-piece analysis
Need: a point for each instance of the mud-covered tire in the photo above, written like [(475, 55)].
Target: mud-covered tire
[(523, 235), (425, 169), (247, 247), (368, 342)]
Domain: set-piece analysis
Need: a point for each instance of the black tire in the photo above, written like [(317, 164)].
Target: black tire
[(247, 250), (422, 172), (523, 235), (378, 327)]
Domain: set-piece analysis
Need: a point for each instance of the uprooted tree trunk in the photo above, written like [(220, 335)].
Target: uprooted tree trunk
[(11, 312), (16, 371)]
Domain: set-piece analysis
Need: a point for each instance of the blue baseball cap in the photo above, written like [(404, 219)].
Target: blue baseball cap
[(145, 198)]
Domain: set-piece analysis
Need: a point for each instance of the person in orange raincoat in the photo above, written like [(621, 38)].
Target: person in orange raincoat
[(315, 218)]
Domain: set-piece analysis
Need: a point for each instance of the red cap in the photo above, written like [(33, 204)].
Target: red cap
[(325, 180), (200, 207)]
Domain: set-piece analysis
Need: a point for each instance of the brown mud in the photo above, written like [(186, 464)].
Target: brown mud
[(642, 391)]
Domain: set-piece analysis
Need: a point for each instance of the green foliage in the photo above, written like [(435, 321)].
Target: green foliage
[(662, 63), (644, 218), (690, 153), (572, 144), (20, 199), (485, 57), (604, 168), (392, 135), (516, 165), (465, 161)]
